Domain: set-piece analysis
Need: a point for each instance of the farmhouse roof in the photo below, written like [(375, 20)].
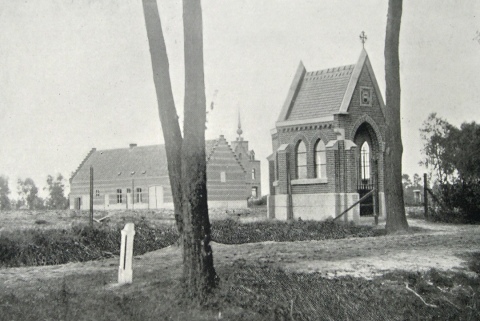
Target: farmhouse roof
[(323, 93), (132, 162)]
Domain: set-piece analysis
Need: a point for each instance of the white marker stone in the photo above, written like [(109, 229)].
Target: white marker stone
[(126, 254)]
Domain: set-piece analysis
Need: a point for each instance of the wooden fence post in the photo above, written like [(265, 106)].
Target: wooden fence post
[(425, 195), (91, 195)]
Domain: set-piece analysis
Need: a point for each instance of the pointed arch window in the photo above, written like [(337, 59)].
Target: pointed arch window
[(301, 160), (320, 160), (365, 161), (253, 173)]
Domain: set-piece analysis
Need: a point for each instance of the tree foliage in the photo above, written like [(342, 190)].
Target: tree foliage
[(4, 191), (56, 190), (28, 194), (452, 156)]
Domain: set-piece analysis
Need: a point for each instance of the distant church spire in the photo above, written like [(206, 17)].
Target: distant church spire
[(239, 130)]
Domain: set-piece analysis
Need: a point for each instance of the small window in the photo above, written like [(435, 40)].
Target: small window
[(365, 96), (253, 173), (254, 192), (97, 193), (119, 196), (223, 177), (129, 191), (301, 158), (139, 195)]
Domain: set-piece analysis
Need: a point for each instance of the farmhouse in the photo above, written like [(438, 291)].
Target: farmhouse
[(328, 145), (137, 177)]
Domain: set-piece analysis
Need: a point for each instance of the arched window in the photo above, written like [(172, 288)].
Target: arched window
[(365, 161), (301, 158), (320, 160), (253, 173)]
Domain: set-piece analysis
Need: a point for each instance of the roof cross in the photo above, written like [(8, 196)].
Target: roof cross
[(363, 38)]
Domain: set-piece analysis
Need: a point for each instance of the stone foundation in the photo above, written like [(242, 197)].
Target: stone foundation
[(316, 207)]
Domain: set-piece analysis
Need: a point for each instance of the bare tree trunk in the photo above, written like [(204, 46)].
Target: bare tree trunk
[(396, 219), (186, 157), (198, 271), (166, 105)]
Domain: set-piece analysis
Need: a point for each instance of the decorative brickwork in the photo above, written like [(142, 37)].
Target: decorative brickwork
[(343, 107)]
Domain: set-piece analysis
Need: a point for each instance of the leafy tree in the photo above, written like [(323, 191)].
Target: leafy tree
[(433, 134), (406, 182), (185, 156), (27, 191), (452, 155), (416, 180), (396, 218), (4, 191), (56, 190)]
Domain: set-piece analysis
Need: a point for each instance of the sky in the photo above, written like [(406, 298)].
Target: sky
[(77, 74)]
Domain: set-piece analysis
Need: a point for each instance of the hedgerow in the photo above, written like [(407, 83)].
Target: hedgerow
[(84, 243)]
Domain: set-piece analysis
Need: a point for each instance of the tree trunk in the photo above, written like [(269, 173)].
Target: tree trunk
[(396, 219), (186, 157), (166, 105), (198, 271)]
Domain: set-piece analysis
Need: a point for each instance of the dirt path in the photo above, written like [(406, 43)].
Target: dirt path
[(429, 246)]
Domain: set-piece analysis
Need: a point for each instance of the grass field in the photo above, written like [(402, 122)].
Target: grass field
[(428, 274)]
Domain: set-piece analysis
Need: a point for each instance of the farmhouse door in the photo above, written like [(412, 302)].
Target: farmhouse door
[(155, 197), (78, 203), (107, 200)]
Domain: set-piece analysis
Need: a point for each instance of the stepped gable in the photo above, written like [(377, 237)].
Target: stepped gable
[(211, 145)]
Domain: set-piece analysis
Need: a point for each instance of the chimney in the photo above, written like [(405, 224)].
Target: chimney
[(133, 145)]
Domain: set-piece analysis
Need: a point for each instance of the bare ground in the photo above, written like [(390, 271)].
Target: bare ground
[(426, 246)]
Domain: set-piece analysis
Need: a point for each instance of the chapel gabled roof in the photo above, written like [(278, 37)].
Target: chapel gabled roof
[(132, 162), (318, 95)]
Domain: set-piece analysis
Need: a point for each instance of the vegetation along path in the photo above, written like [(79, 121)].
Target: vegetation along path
[(429, 245)]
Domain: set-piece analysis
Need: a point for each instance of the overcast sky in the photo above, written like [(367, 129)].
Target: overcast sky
[(77, 74)]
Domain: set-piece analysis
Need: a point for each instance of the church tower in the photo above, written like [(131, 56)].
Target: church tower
[(247, 158)]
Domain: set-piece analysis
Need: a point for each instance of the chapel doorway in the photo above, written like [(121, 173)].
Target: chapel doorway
[(367, 173)]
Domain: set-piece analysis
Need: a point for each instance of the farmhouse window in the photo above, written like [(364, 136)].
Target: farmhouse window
[(119, 196), (139, 195), (320, 160), (301, 160), (97, 193), (223, 177)]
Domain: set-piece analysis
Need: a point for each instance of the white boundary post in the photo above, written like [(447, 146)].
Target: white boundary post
[(125, 270)]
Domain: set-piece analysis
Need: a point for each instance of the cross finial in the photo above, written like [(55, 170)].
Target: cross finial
[(363, 38)]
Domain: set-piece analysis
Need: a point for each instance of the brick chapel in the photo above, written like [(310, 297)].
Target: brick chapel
[(328, 145)]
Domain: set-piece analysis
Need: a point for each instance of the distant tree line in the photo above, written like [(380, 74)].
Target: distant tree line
[(28, 194), (452, 157)]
